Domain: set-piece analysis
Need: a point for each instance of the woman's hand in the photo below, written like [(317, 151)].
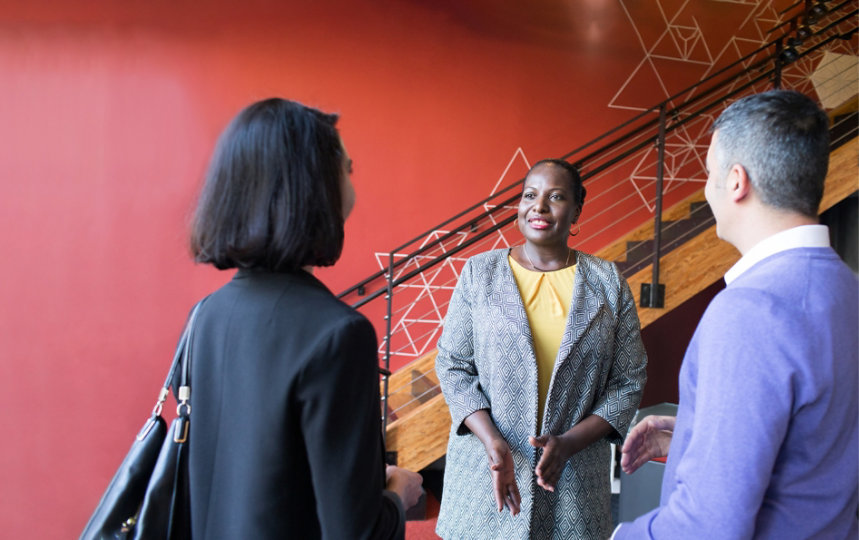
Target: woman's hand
[(649, 439), (555, 455), (500, 460), (557, 449), (503, 476)]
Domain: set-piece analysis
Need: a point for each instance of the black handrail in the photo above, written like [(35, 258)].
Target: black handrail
[(673, 113), (602, 150), (440, 240), (616, 146), (480, 203), (790, 7), (393, 264)]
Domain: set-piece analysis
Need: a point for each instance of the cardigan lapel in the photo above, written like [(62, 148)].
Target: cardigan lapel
[(514, 311), (585, 304)]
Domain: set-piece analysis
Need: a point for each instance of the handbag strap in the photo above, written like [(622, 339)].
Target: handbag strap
[(184, 393), (181, 358)]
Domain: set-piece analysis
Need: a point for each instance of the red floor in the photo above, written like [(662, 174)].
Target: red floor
[(425, 529), (421, 530)]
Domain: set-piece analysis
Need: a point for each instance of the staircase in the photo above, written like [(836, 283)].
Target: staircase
[(703, 259), (419, 431), (421, 273)]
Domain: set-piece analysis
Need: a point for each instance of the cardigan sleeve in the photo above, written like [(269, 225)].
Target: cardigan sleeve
[(455, 366), (340, 418), (619, 400)]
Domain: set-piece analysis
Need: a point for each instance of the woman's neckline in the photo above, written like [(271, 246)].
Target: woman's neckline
[(537, 271)]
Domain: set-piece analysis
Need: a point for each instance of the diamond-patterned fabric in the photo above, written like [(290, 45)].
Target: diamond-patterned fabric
[(486, 361)]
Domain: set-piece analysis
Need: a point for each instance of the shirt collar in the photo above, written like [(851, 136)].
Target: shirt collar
[(797, 237)]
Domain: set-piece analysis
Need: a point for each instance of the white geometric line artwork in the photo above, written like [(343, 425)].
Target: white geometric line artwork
[(687, 41), (501, 240), (415, 332), (519, 153), (682, 149), (682, 40)]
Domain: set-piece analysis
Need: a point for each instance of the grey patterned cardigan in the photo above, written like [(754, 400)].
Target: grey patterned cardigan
[(486, 361)]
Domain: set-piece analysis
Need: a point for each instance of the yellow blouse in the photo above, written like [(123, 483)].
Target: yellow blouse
[(547, 297)]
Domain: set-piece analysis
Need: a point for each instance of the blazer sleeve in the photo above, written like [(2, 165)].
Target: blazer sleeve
[(620, 398), (341, 425), (454, 364)]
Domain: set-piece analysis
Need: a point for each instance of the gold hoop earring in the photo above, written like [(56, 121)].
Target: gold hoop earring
[(578, 230)]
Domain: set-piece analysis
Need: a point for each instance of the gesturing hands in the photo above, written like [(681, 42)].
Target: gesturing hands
[(552, 462), (649, 439), (500, 460), (503, 476)]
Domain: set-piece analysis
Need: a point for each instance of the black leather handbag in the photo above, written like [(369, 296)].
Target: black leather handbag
[(148, 497)]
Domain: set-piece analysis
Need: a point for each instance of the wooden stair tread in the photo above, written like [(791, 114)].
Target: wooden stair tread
[(411, 385), (420, 437), (617, 250)]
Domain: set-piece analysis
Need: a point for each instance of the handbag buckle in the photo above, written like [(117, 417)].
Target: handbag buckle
[(184, 396), (159, 405), (180, 434)]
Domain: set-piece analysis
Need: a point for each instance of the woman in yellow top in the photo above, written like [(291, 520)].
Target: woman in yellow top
[(541, 364)]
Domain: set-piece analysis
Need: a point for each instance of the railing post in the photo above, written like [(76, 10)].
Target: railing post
[(653, 294), (389, 298), (779, 52)]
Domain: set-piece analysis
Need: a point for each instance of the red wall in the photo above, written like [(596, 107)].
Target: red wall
[(108, 112)]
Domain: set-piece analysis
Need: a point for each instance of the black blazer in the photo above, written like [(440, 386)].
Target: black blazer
[(285, 424)]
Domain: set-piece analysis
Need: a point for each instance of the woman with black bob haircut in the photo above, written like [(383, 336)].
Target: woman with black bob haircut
[(287, 431), (272, 198)]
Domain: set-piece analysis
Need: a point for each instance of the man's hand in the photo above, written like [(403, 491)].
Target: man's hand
[(649, 439)]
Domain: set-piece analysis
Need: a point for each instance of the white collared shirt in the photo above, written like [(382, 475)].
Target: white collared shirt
[(797, 237)]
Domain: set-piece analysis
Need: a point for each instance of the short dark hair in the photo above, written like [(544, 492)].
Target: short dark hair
[(271, 198), (781, 138), (579, 191)]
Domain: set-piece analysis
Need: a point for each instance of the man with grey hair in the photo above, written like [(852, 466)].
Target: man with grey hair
[(765, 442)]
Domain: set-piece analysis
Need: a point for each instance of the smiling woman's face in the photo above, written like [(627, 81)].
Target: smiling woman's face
[(548, 206)]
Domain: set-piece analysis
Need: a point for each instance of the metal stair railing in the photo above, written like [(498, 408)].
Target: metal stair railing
[(663, 148)]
